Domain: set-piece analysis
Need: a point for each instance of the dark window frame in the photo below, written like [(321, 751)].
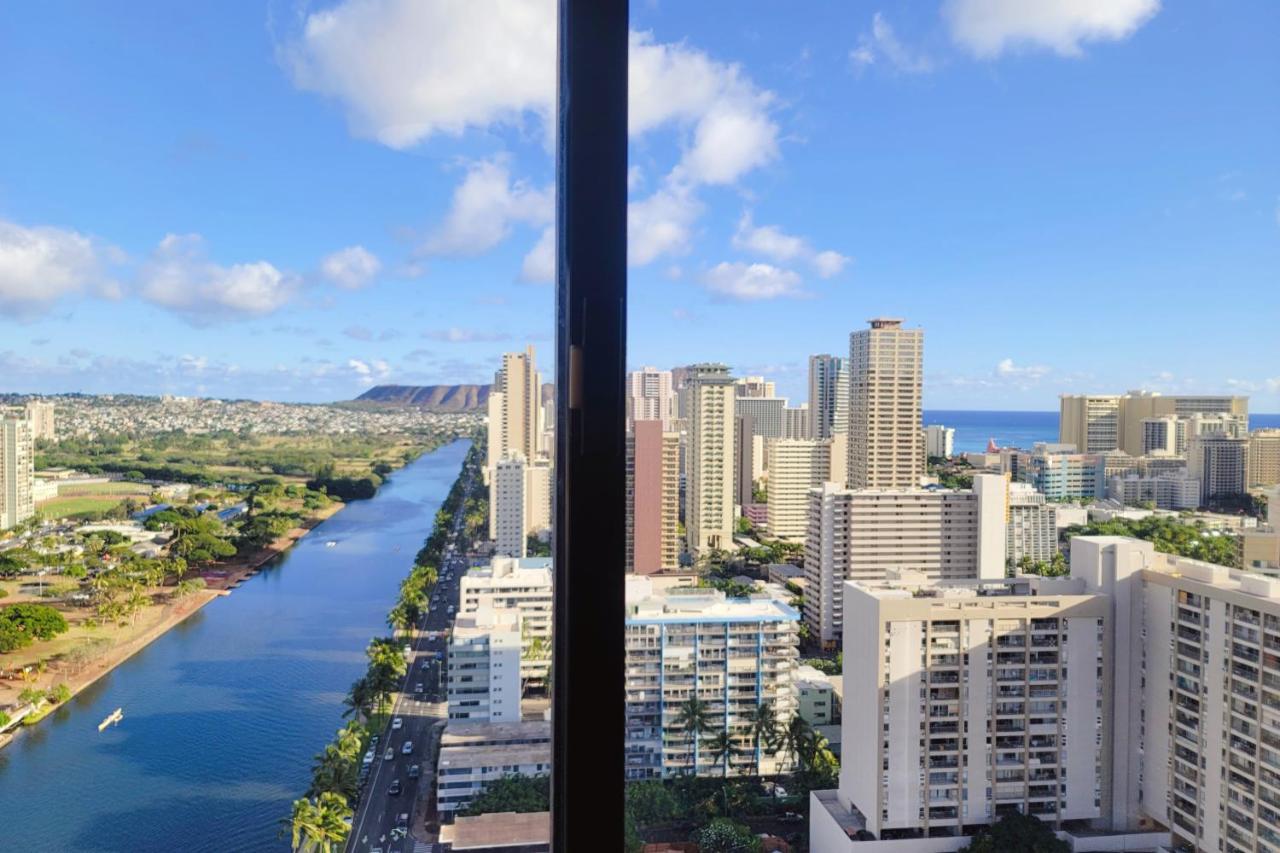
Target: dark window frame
[(589, 544)]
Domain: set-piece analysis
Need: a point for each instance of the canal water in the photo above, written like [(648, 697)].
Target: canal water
[(223, 714)]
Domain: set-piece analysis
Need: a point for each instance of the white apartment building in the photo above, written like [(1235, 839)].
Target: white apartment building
[(484, 667), (767, 414), (519, 503), (1220, 463), (734, 654), (1168, 491), (795, 422), (939, 441), (709, 496), (524, 586), (1264, 457), (472, 756), (959, 693), (1032, 525), (795, 468), (17, 469), (1133, 706), (828, 395), (43, 425), (815, 697), (1057, 471), (886, 370), (862, 534), (651, 396)]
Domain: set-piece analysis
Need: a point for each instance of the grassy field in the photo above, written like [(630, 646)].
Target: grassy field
[(71, 507), (117, 487)]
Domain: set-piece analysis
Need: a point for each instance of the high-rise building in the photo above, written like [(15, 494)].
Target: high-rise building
[(736, 654), (754, 386), (484, 666), (795, 422), (17, 469), (1264, 457), (709, 483), (475, 755), (886, 368), (651, 396), (862, 534), (515, 409), (939, 441), (1164, 491), (828, 395), (1162, 435), (519, 503), (41, 416), (1098, 423), (1128, 705), (507, 499), (768, 415), (653, 498), (1033, 526), (1090, 423), (1058, 472), (525, 587), (796, 466), (1220, 463), (960, 703)]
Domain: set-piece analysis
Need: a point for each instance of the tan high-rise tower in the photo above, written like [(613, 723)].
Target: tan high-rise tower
[(708, 515), (515, 408), (17, 471), (886, 372)]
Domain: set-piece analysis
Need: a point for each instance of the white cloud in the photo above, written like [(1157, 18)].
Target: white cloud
[(772, 242), (40, 265), (883, 42), (986, 28), (485, 206), (1006, 368), (455, 335), (540, 264), (179, 277), (661, 224), (351, 268), (732, 132), (408, 69), (369, 372), (193, 363), (751, 282)]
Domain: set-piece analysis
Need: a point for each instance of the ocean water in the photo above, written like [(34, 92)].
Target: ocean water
[(224, 712), (1020, 429)]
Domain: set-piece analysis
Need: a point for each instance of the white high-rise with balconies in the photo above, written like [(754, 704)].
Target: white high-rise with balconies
[(735, 654), (796, 466), (483, 666), (862, 534), (17, 468), (651, 396), (525, 587), (886, 371)]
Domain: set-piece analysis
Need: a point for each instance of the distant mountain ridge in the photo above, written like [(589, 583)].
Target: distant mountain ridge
[(435, 398), (431, 398)]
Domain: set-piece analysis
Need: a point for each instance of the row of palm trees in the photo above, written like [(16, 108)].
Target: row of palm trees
[(704, 728)]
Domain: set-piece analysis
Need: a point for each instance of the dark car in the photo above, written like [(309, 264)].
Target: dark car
[(415, 771), (394, 790)]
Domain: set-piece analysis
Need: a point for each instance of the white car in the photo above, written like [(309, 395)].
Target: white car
[(397, 724), (389, 755)]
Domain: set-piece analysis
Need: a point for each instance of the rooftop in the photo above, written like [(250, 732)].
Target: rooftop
[(499, 829)]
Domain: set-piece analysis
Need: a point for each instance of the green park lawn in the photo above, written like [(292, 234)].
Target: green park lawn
[(70, 507)]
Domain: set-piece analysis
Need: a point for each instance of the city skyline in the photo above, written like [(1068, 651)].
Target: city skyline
[(307, 228)]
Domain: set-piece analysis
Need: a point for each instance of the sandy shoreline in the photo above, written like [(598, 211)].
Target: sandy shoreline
[(220, 580)]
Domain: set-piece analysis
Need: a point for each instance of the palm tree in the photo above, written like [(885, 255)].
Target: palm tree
[(359, 699), (764, 730), (349, 741), (721, 748), (694, 717), (797, 741), (305, 825)]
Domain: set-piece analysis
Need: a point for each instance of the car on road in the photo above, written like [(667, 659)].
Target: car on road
[(389, 754), (417, 688), (407, 749), (402, 819), (394, 789), (397, 724), (415, 771)]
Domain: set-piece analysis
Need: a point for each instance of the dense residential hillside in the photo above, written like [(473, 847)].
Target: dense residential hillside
[(434, 398)]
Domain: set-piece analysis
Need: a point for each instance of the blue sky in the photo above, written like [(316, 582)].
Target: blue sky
[(294, 201)]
